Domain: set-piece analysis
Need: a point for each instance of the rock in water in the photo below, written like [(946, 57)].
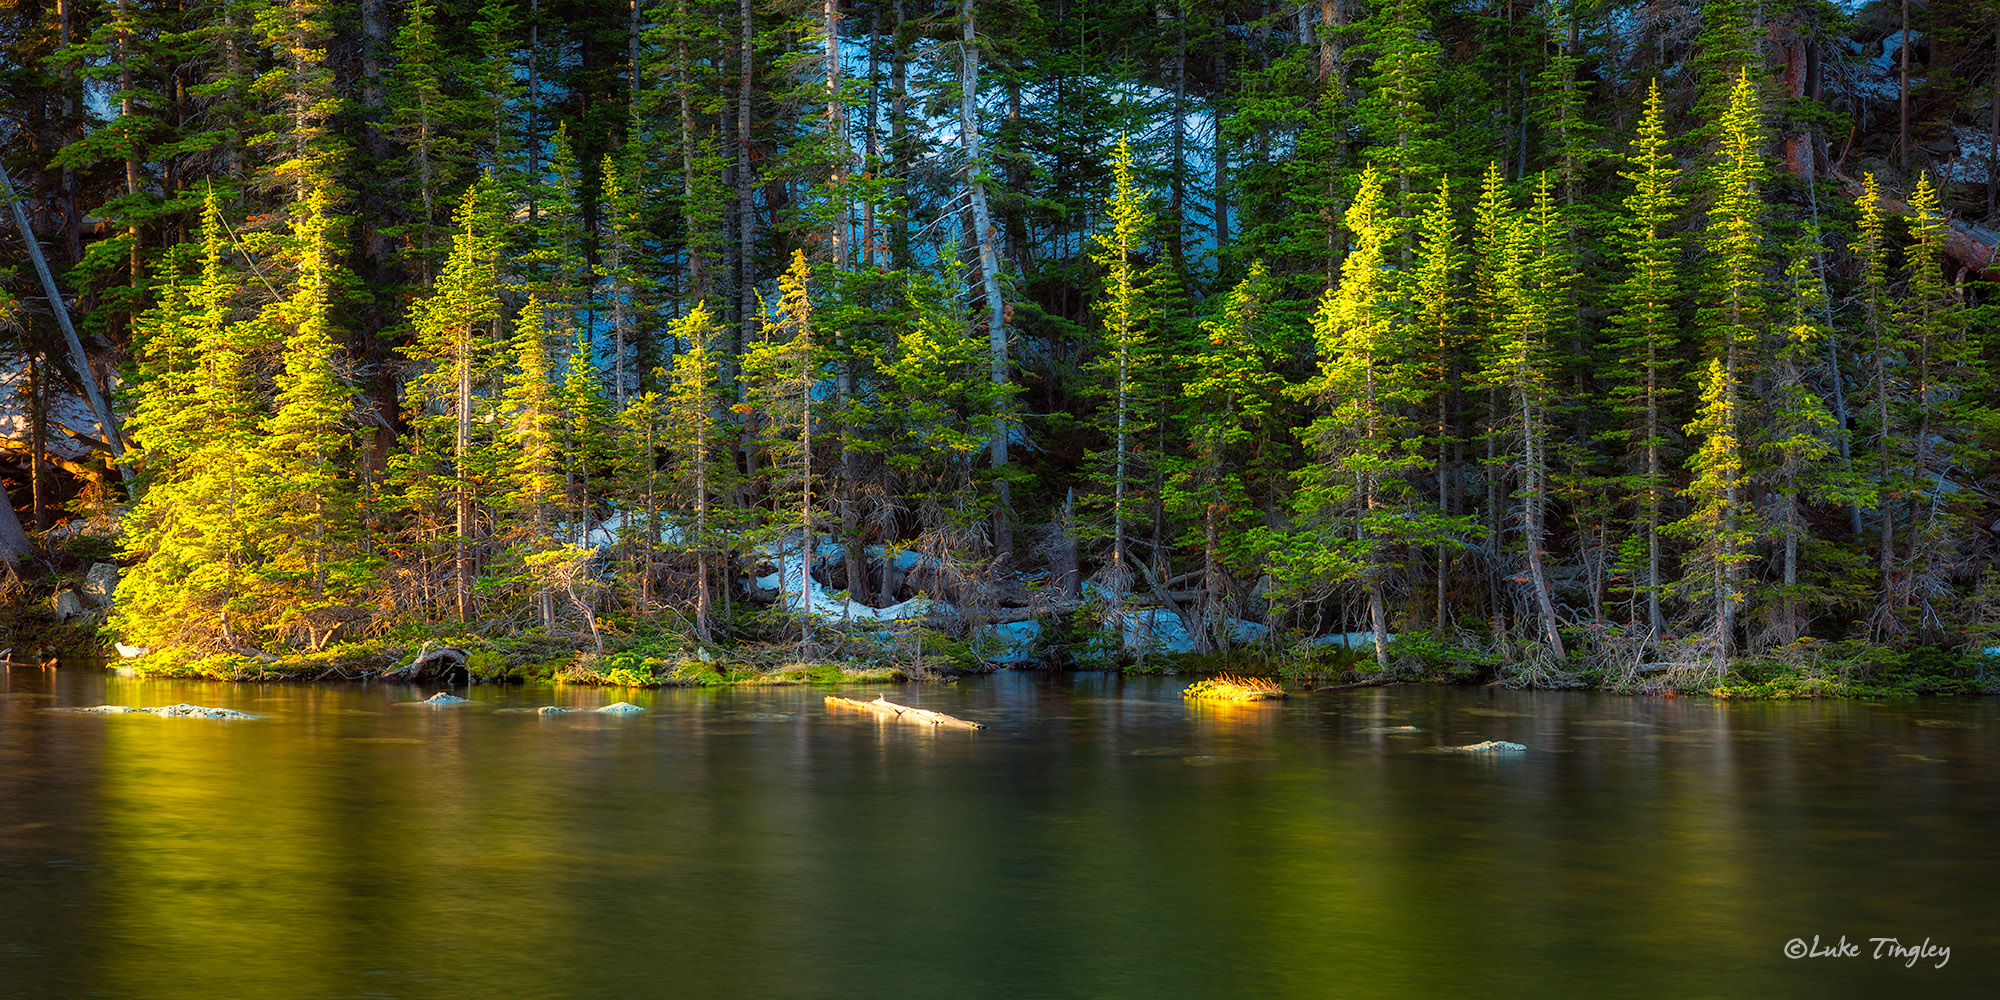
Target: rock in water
[(445, 698), (1490, 746), (621, 708), (186, 711), (101, 584), (553, 710), (102, 710)]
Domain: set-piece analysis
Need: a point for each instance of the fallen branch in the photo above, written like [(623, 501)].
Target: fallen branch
[(889, 709)]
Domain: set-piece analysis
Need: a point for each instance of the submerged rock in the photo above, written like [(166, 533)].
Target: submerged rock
[(553, 710), (181, 711), (441, 699), (1490, 746), (621, 708), (186, 711), (1381, 730)]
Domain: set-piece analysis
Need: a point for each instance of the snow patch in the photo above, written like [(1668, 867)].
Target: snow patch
[(1016, 639)]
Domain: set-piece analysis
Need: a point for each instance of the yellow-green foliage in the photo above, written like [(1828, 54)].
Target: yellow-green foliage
[(1229, 687)]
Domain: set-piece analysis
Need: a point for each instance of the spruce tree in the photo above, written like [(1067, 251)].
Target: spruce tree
[(1645, 356), (779, 374), (1234, 391), (1717, 523), (1126, 364), (305, 503)]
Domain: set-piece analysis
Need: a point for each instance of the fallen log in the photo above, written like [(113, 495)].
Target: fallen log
[(891, 710)]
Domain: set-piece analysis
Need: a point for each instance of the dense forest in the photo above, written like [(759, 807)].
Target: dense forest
[(1598, 334)]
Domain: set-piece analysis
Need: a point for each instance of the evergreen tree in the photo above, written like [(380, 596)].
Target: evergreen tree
[(455, 335), (779, 374), (1717, 520), (1234, 391), (534, 495), (703, 469), (194, 427), (306, 511), (1643, 368), (1127, 365), (1803, 437)]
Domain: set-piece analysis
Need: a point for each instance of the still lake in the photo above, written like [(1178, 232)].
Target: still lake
[(1101, 838)]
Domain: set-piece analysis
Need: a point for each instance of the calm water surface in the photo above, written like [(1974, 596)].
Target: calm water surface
[(1100, 839)]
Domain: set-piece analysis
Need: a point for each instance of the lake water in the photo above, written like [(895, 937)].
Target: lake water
[(1101, 838)]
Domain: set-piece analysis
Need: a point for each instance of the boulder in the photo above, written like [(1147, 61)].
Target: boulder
[(621, 708), (445, 698), (68, 605), (101, 584), (553, 710)]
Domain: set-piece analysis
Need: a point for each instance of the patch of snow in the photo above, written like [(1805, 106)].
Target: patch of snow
[(1016, 640), (1155, 629), (807, 596), (1246, 631)]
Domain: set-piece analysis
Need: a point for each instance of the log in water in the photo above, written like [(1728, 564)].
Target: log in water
[(889, 709)]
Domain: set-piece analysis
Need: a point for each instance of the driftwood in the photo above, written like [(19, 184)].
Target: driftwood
[(442, 663), (891, 710)]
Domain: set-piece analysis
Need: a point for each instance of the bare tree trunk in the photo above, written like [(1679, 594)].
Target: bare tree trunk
[(38, 432), (989, 264), (1534, 476), (105, 421), (1903, 97), (462, 450)]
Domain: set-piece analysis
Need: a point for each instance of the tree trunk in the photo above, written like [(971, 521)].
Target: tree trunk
[(989, 266), (1903, 97), (38, 432), (105, 422)]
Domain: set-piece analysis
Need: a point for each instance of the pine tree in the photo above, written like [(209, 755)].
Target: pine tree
[(1437, 316), (1886, 345), (1126, 365), (454, 340), (1717, 522), (534, 496), (703, 469), (1717, 525), (1533, 293), (1803, 434), (1234, 390), (194, 427), (306, 512), (1645, 350), (1941, 366), (779, 374)]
